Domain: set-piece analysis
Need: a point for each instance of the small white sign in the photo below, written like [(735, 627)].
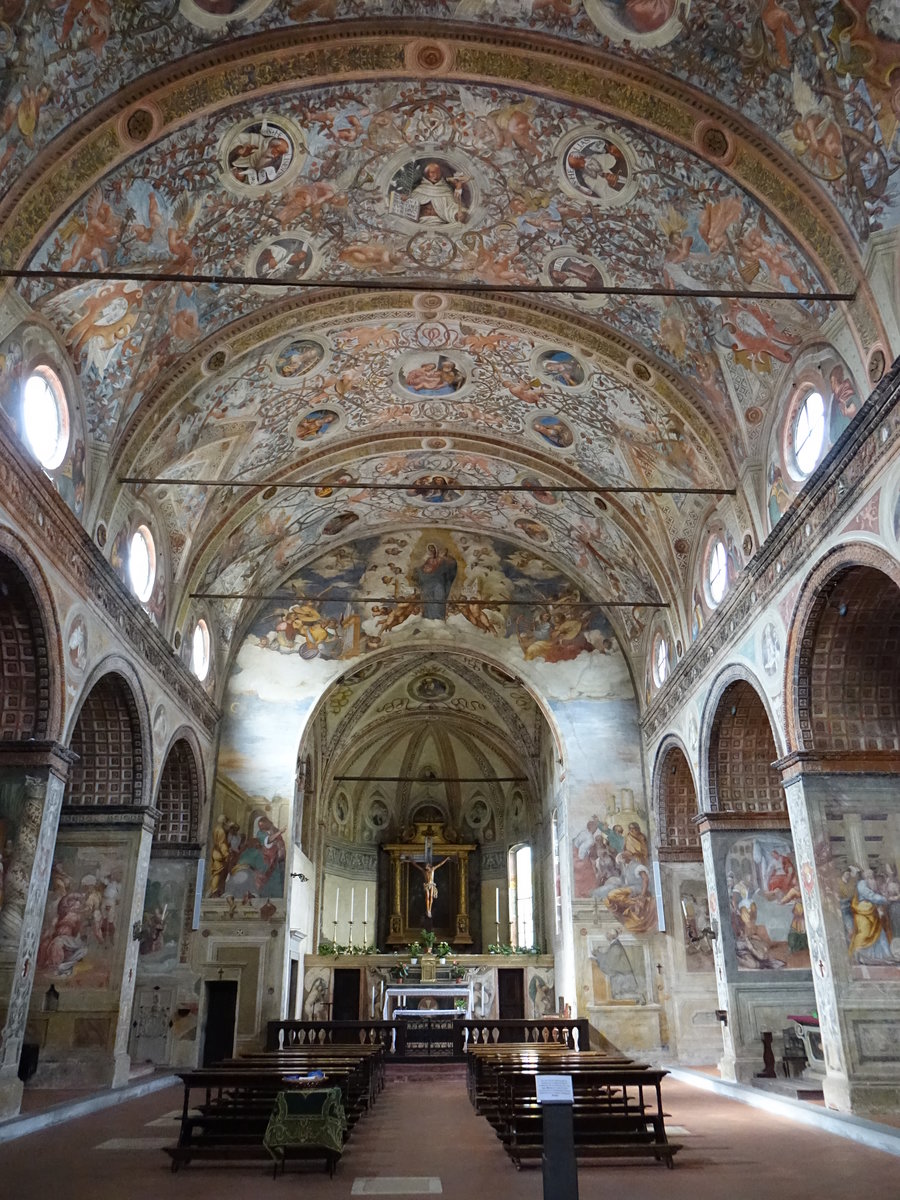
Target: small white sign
[(554, 1089)]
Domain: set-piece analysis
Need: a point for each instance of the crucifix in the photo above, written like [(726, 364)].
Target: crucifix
[(428, 868)]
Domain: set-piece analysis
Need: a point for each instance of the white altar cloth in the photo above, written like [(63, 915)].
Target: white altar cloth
[(403, 992)]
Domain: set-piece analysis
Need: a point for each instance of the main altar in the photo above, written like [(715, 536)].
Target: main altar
[(428, 858)]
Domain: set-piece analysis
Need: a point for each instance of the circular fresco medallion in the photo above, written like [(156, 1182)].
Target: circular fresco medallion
[(533, 530), (568, 268), (539, 492), (315, 424), (429, 373), (214, 14), (639, 22), (261, 154), (430, 191), (327, 486), (297, 358), (597, 168), (430, 689), (434, 489), (339, 523), (77, 643), (554, 430), (560, 367), (288, 257)]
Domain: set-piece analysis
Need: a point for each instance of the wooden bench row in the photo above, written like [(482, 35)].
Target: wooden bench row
[(617, 1109), (228, 1121)]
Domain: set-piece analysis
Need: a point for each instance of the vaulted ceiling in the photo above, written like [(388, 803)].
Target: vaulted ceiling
[(440, 181)]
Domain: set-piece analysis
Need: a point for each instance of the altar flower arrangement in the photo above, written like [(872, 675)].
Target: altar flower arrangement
[(399, 971), (442, 950), (428, 940), (457, 973)]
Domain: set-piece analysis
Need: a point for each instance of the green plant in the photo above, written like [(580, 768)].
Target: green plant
[(443, 949), (327, 948), (414, 949), (428, 939)]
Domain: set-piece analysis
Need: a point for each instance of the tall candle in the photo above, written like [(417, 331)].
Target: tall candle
[(337, 900), (498, 906), (352, 893), (366, 909)]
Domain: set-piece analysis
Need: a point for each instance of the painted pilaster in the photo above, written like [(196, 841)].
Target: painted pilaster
[(44, 768)]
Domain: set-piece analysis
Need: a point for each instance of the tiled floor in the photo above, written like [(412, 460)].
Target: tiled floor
[(423, 1136)]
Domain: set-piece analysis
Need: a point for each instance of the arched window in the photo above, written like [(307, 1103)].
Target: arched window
[(808, 433), (45, 417), (716, 572), (142, 563), (521, 896)]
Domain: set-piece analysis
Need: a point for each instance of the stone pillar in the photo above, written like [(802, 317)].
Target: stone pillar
[(86, 1037), (42, 768), (752, 1000), (835, 801)]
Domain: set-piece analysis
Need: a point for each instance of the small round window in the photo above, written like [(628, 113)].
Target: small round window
[(142, 563), (200, 650), (660, 660), (717, 572), (45, 416), (809, 433)]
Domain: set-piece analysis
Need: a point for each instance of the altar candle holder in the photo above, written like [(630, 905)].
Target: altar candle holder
[(498, 934), (334, 938), (350, 935), (365, 937)]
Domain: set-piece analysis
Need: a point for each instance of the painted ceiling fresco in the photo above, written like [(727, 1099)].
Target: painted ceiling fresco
[(822, 77), (421, 180)]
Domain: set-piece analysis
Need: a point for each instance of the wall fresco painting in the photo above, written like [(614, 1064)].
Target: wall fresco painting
[(693, 906), (861, 881), (766, 907), (162, 922), (82, 935)]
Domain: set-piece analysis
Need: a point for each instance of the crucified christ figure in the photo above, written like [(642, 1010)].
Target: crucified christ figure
[(429, 885)]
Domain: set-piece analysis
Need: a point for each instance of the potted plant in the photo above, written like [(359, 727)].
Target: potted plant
[(428, 940), (442, 950), (457, 973), (415, 949)]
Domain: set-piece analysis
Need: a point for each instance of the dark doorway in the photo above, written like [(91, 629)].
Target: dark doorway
[(292, 988), (511, 993), (346, 994), (221, 1007)]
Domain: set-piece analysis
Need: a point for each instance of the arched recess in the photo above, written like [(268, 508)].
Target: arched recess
[(738, 750), (30, 650), (675, 803), (179, 796), (108, 736), (843, 661)]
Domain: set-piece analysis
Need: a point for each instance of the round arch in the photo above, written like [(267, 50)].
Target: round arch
[(195, 777), (115, 667), (812, 602), (670, 800), (727, 677), (49, 681)]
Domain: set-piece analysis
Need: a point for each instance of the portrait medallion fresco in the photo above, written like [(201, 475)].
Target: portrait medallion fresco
[(315, 424), (260, 155), (290, 256), (598, 169), (553, 430), (639, 22), (570, 268), (298, 357), (561, 368), (431, 191), (432, 374)]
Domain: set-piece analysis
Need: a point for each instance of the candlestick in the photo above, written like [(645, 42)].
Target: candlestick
[(352, 894), (350, 935), (337, 900), (334, 938), (366, 908), (365, 936), (498, 906), (498, 933)]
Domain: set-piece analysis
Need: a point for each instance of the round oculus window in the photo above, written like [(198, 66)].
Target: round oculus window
[(660, 660), (142, 563), (200, 650), (45, 416), (809, 433), (717, 572)]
